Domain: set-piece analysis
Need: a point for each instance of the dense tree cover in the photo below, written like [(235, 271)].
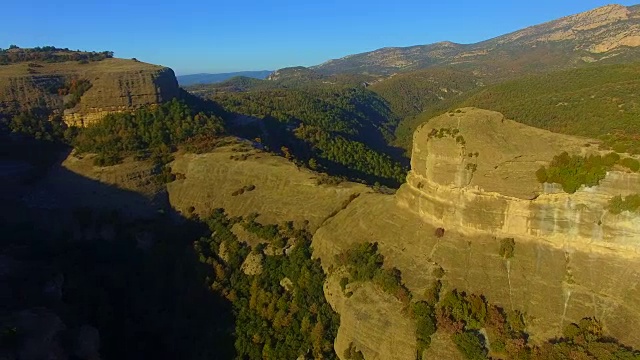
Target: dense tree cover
[(343, 129), (409, 94), (152, 131), (574, 171), (280, 313), (49, 54), (597, 102), (39, 126), (618, 204)]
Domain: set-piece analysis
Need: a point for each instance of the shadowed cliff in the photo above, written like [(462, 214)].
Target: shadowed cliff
[(90, 271)]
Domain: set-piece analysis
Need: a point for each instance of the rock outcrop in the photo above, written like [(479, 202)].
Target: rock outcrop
[(117, 85), (572, 258), (481, 180)]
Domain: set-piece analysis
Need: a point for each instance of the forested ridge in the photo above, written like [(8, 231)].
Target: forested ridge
[(345, 130), (597, 101)]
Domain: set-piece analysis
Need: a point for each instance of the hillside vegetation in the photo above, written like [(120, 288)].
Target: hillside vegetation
[(600, 102), (155, 132), (343, 130), (412, 93)]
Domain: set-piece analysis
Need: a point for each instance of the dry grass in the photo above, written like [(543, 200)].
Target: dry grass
[(73, 67)]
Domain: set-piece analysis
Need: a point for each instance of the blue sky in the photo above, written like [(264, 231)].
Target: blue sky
[(221, 36)]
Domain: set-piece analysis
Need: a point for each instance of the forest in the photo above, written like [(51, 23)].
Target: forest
[(345, 130), (598, 102), (147, 132)]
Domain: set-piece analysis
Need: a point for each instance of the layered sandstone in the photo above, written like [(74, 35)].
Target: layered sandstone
[(572, 257), (495, 191), (117, 85)]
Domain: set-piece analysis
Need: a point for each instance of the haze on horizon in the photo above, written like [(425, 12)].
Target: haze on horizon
[(201, 36)]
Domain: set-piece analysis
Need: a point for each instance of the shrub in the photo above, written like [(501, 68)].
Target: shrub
[(574, 171), (343, 283), (631, 163), (364, 263), (541, 175), (507, 246), (611, 159), (470, 345), (425, 325), (618, 204), (438, 272), (439, 232), (351, 353)]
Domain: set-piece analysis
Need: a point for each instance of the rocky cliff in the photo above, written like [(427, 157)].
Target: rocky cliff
[(481, 180), (572, 258), (116, 85)]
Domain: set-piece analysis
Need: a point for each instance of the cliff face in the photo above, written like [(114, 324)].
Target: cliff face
[(116, 85), (495, 191), (572, 258)]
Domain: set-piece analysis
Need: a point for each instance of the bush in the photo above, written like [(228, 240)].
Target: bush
[(631, 163), (574, 171), (364, 263), (343, 283), (425, 325), (438, 272), (351, 353), (470, 345), (618, 204), (507, 246), (439, 232)]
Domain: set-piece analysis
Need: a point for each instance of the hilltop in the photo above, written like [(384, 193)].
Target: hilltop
[(80, 87), (607, 34)]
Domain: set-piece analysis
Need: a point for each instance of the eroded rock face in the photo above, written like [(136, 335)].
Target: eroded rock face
[(373, 321), (572, 258), (482, 179), (117, 85)]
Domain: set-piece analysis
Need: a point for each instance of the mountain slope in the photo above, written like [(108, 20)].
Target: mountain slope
[(596, 101), (205, 78), (608, 34)]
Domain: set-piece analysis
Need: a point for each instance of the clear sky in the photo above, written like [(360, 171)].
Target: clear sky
[(233, 35)]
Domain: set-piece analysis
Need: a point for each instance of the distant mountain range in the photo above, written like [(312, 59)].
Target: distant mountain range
[(204, 78), (607, 34)]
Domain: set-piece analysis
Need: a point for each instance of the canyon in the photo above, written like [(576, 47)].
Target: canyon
[(572, 258)]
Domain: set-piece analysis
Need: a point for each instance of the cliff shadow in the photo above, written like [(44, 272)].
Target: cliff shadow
[(78, 255)]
